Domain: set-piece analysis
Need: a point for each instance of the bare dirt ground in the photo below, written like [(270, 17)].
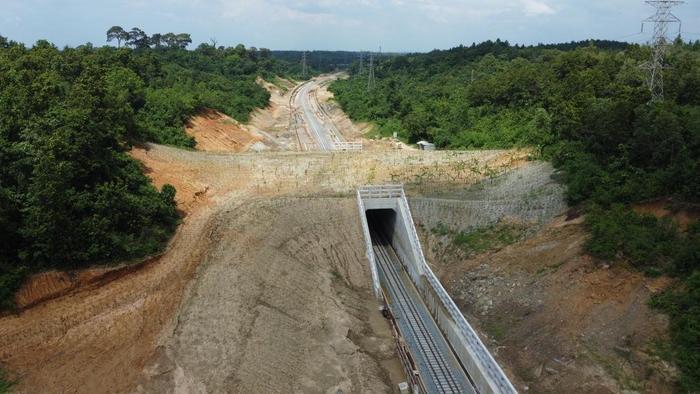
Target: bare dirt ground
[(216, 132), (267, 130), (273, 121), (558, 320), (281, 304), (134, 327)]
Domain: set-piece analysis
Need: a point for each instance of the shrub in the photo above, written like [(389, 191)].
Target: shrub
[(683, 307), (5, 384), (648, 243)]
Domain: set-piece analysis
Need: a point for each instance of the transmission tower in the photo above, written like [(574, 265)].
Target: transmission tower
[(303, 65), (659, 43), (370, 78), (362, 60)]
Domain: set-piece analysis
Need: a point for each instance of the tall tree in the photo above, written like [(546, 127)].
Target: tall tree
[(138, 38), (182, 40), (169, 40), (157, 40), (117, 33)]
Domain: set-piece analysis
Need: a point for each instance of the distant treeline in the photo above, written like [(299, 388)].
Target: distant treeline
[(328, 61), (137, 38), (324, 61)]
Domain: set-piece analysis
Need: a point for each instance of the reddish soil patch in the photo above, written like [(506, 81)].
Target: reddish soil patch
[(664, 208), (559, 320), (216, 132)]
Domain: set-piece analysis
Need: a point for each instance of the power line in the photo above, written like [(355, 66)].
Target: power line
[(627, 36), (303, 65), (362, 60), (661, 19), (370, 78)]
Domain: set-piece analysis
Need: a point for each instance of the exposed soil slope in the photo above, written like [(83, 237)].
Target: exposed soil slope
[(279, 305), (268, 128), (273, 121), (560, 321), (103, 336), (216, 132)]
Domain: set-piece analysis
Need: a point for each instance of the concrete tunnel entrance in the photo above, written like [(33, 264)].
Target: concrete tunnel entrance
[(382, 224)]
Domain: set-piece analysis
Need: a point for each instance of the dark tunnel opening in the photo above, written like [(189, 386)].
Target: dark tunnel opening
[(381, 223)]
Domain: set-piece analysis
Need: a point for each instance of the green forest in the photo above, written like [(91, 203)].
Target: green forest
[(586, 107), (70, 196)]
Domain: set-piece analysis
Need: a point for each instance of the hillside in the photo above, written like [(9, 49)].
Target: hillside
[(165, 226), (70, 196), (587, 109)]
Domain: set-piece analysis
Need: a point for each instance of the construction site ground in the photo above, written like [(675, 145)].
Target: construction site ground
[(558, 320), (265, 286)]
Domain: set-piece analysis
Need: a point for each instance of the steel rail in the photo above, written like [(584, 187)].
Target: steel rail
[(442, 374), (476, 346)]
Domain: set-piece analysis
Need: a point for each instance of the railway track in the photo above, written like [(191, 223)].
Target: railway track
[(440, 370), (313, 124)]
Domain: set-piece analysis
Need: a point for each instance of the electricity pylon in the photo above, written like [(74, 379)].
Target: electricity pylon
[(303, 65), (659, 43), (370, 78), (362, 60)]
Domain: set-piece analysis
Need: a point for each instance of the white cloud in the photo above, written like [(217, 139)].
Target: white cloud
[(536, 8), (333, 24), (276, 11)]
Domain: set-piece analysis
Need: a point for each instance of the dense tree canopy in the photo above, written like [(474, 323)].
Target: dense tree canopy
[(137, 38), (70, 196)]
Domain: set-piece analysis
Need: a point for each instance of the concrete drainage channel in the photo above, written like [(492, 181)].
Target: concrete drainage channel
[(439, 350)]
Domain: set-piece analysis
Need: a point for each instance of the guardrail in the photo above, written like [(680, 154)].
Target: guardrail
[(380, 191), (347, 146), (480, 364), (376, 286)]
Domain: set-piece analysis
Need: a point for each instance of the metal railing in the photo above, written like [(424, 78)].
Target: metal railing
[(380, 191), (464, 339), (376, 286), (347, 146)]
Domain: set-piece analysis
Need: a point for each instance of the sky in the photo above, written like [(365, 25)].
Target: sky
[(395, 25)]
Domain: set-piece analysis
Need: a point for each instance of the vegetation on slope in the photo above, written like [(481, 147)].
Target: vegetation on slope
[(586, 108), (5, 385), (70, 196)]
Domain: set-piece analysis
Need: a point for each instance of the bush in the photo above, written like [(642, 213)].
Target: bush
[(683, 307), (647, 243), (11, 279), (70, 196), (164, 114), (490, 238), (5, 384)]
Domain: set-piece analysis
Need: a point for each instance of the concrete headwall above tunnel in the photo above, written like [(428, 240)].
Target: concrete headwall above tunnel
[(384, 210)]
